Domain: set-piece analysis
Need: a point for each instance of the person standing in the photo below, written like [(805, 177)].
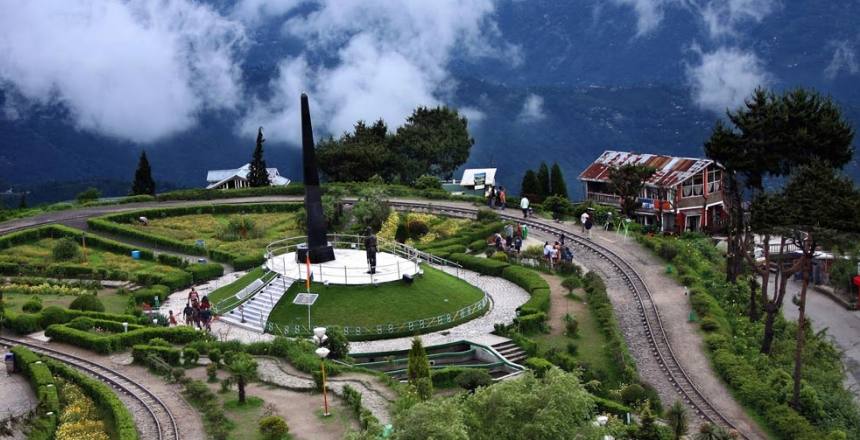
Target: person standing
[(519, 231), (171, 320), (525, 232), (518, 244), (582, 219), (524, 205), (588, 226), (370, 246), (503, 198), (188, 313)]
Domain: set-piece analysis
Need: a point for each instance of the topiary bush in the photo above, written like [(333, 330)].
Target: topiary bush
[(539, 365), (190, 357), (273, 428), (66, 249), (33, 305), (87, 302), (473, 378), (633, 394)]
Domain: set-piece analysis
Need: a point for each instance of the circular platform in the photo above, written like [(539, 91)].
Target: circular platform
[(349, 267)]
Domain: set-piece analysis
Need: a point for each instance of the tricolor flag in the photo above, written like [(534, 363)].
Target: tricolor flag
[(308, 279)]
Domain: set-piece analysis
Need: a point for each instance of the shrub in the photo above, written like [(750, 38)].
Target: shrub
[(212, 373), (709, 324), (571, 325), (190, 357), (148, 294), (87, 302), (168, 354), (33, 305), (525, 278), (237, 228), (473, 378), (480, 265), (21, 324), (531, 323), (571, 283), (500, 256), (82, 323), (539, 302), (428, 182), (205, 271), (539, 365), (89, 195), (633, 394), (416, 227), (337, 343), (478, 245), (668, 250), (273, 428), (486, 215), (66, 249), (215, 356)]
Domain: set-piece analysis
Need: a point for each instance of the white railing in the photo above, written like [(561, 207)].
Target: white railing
[(356, 242), (604, 198)]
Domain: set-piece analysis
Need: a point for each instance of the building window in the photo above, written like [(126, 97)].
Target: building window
[(693, 223), (714, 180), (692, 187)]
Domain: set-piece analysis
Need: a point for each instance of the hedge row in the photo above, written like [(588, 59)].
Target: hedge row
[(40, 377), (299, 352), (465, 238), (59, 231), (532, 322), (293, 189), (84, 323), (451, 249), (201, 272), (110, 343), (369, 423), (484, 266), (601, 309), (168, 354), (148, 294), (25, 323), (115, 411)]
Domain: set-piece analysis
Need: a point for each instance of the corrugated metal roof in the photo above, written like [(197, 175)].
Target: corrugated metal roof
[(670, 170), (214, 177)]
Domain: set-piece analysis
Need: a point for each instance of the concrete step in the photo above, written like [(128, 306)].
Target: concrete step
[(255, 327)]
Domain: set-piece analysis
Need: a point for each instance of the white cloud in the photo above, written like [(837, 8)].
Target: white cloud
[(722, 17), (137, 69), (473, 115), (725, 77), (532, 109), (649, 13), (844, 60), (388, 57), (255, 10)]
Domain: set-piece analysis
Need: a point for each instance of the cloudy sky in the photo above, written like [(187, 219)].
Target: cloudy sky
[(143, 70)]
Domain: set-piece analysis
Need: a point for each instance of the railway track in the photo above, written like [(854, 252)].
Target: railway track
[(152, 417), (657, 337)]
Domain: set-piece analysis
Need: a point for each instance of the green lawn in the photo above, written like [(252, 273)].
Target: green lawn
[(113, 303), (39, 252), (190, 228), (435, 293)]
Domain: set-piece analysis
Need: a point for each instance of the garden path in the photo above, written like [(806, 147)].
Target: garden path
[(18, 400), (558, 306)]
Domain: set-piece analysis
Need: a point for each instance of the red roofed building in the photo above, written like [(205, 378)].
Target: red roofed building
[(688, 192)]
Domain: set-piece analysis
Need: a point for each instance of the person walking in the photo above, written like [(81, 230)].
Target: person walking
[(171, 320), (518, 244), (503, 198), (524, 205), (525, 232), (588, 226), (188, 313), (519, 231), (582, 219)]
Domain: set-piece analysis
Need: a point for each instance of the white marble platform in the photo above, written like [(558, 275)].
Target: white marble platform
[(349, 267)]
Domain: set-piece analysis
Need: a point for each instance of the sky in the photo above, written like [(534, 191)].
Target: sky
[(144, 70)]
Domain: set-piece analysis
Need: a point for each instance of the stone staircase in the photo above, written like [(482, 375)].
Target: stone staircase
[(258, 307), (511, 351)]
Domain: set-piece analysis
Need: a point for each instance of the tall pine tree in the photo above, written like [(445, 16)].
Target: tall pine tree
[(556, 181), (258, 175), (530, 187), (543, 180), (143, 183)]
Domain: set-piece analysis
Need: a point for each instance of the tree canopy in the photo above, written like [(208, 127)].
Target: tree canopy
[(556, 180), (143, 183), (530, 187), (258, 175), (433, 141), (627, 181)]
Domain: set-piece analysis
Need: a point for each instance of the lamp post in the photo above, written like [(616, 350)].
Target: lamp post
[(319, 339)]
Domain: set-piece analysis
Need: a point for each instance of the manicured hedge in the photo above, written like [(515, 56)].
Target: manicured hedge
[(531, 323), (293, 189), (84, 323), (484, 266), (452, 249), (601, 309), (205, 271), (525, 278), (148, 294), (25, 323), (43, 425), (369, 423), (109, 343), (538, 302), (464, 238), (110, 405), (58, 231), (167, 354), (478, 245), (611, 407)]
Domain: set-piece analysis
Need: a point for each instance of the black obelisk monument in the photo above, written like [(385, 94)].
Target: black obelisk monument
[(317, 246)]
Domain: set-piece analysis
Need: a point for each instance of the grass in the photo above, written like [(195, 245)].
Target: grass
[(231, 289), (430, 295), (113, 303), (40, 252), (190, 228), (589, 341)]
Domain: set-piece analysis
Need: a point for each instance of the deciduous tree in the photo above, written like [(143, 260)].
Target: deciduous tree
[(627, 182)]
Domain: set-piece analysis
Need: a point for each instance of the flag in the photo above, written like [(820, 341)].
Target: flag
[(308, 279)]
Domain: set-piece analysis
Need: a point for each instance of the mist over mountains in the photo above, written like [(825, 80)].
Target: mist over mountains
[(84, 86)]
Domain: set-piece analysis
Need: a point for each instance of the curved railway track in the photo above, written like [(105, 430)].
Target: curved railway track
[(152, 417), (657, 337)]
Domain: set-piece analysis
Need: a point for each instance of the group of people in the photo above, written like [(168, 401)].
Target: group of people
[(497, 198), (197, 312), (513, 239), (557, 252)]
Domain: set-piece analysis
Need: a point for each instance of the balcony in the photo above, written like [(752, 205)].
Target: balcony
[(606, 199)]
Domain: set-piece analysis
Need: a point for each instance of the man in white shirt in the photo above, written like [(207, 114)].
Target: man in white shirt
[(524, 205), (582, 219)]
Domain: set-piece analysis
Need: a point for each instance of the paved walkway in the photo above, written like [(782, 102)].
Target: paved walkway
[(17, 396), (843, 327)]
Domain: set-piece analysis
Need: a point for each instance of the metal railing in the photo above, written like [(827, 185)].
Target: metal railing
[(356, 242), (611, 199), (421, 325), (231, 302)]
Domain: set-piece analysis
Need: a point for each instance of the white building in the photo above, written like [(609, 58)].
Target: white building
[(238, 178)]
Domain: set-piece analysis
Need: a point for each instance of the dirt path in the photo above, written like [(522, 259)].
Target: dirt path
[(558, 304)]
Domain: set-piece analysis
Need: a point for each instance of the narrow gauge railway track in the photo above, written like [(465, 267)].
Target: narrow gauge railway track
[(657, 337), (152, 417)]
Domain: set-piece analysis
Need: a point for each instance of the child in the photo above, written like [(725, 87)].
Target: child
[(171, 320)]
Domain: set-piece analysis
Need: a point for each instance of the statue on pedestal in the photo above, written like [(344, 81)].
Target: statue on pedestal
[(370, 246)]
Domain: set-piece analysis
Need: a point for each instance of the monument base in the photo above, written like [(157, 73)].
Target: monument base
[(319, 254)]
